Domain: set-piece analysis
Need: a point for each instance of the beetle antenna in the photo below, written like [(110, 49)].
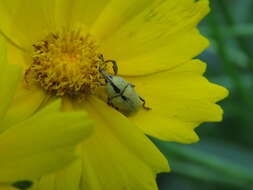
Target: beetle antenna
[(114, 63), (114, 66)]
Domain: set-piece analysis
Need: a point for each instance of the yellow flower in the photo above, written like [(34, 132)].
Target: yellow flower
[(38, 144), (60, 44)]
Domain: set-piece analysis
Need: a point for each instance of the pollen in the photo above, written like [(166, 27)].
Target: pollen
[(66, 63)]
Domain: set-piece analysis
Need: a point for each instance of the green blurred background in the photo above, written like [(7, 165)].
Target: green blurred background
[(223, 159)]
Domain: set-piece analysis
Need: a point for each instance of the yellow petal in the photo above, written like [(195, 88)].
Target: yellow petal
[(115, 14), (41, 144), (180, 99), (7, 187), (26, 20), (25, 103), (27, 98), (178, 51), (65, 179), (76, 12), (8, 83), (9, 78), (112, 158), (47, 183), (70, 177), (2, 51), (118, 155), (161, 36), (23, 22), (166, 128)]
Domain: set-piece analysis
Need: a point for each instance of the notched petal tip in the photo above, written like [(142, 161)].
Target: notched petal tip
[(224, 92)]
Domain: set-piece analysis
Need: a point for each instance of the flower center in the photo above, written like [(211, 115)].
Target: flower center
[(67, 63)]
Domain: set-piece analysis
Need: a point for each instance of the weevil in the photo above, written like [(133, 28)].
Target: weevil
[(122, 95)]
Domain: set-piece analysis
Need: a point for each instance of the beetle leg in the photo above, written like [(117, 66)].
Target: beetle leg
[(132, 85), (112, 97), (144, 104), (109, 102)]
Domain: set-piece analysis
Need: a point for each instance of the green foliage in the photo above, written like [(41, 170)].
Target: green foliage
[(223, 159), (211, 161)]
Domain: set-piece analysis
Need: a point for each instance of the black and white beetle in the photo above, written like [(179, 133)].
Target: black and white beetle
[(121, 94)]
